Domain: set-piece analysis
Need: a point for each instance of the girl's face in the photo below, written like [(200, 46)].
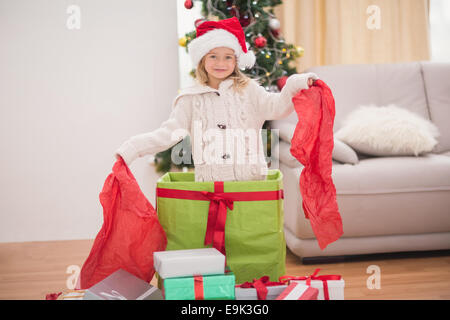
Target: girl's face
[(220, 63)]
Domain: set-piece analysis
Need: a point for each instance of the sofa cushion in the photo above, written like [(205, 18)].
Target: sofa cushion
[(394, 174), (286, 157), (388, 131), (381, 196), (342, 152), (437, 83)]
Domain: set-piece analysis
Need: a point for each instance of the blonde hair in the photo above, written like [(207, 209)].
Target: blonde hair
[(240, 80)]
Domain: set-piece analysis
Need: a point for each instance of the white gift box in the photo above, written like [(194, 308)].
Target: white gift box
[(250, 293), (335, 288), (298, 291), (182, 263)]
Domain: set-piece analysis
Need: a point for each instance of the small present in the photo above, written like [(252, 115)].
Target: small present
[(298, 291), (122, 285), (182, 263), (206, 287), (331, 287), (259, 289)]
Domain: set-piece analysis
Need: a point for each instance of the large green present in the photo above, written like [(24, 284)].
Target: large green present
[(208, 287), (242, 219)]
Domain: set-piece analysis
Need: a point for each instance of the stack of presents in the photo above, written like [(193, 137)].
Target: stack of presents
[(225, 240), (201, 274)]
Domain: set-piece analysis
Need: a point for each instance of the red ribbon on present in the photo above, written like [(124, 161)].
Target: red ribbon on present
[(260, 285), (314, 276), (52, 296), (217, 216), (220, 201), (198, 288)]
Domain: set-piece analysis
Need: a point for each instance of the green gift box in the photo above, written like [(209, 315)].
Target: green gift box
[(242, 219), (210, 287)]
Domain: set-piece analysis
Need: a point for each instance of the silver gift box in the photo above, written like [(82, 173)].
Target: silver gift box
[(250, 293), (122, 285)]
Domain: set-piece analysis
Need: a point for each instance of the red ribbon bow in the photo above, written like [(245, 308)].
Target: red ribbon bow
[(217, 216), (260, 285), (314, 276)]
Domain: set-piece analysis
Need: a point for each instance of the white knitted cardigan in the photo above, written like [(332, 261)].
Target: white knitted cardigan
[(207, 115)]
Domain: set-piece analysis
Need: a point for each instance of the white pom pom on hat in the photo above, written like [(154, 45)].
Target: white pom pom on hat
[(225, 33)]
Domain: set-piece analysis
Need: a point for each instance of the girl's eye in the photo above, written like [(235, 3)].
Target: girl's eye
[(229, 57)]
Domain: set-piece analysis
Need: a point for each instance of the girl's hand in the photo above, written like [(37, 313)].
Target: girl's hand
[(311, 82)]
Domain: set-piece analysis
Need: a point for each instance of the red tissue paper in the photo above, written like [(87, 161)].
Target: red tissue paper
[(130, 233), (312, 145)]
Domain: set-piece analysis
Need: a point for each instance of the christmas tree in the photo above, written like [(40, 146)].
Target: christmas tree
[(275, 59)]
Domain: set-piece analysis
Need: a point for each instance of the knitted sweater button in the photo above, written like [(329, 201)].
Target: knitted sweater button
[(222, 126), (226, 156)]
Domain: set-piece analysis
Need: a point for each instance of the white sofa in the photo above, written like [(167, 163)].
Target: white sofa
[(387, 204)]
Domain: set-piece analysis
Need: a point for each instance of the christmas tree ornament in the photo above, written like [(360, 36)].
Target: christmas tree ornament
[(275, 32), (182, 41), (233, 11), (281, 82), (260, 41), (188, 4), (244, 20), (274, 24), (300, 51)]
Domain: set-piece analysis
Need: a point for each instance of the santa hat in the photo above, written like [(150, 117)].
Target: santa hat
[(225, 33)]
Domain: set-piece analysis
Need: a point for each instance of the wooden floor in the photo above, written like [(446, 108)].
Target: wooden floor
[(30, 270)]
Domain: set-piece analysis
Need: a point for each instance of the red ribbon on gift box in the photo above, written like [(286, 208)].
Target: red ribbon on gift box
[(198, 288), (220, 201), (314, 276), (260, 285)]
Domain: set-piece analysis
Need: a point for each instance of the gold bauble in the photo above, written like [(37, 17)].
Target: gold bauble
[(182, 42), (300, 50)]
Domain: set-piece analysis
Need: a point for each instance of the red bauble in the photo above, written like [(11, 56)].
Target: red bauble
[(233, 11), (281, 82), (275, 32), (260, 42), (244, 20), (188, 4)]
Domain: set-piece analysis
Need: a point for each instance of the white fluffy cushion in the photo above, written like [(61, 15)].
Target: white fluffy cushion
[(387, 131)]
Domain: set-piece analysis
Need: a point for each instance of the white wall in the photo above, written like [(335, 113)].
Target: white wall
[(69, 98)]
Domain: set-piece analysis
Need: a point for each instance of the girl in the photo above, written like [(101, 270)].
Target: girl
[(223, 105)]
